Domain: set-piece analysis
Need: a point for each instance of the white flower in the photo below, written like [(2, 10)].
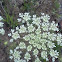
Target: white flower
[(53, 26), (45, 26), (19, 19), (35, 52), (44, 35), (45, 18), (22, 45), (32, 36), (51, 36), (17, 47), (61, 44), (11, 40), (38, 30), (36, 21), (1, 18), (38, 46), (53, 59), (20, 14), (17, 28), (11, 57), (9, 34), (37, 39), (29, 48), (27, 56), (54, 53), (31, 42), (50, 44), (22, 29), (37, 60), (16, 54), (59, 39), (42, 14), (26, 37), (43, 41), (2, 31), (23, 21), (11, 51), (27, 23), (44, 54), (44, 47), (22, 60), (34, 16), (15, 35), (18, 60), (1, 24), (12, 30), (31, 28), (38, 36), (25, 16)]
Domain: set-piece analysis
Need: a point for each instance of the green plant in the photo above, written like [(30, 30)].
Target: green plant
[(56, 8), (9, 20), (28, 5), (56, 3), (55, 12)]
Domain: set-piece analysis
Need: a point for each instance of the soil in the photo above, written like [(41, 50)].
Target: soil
[(45, 6)]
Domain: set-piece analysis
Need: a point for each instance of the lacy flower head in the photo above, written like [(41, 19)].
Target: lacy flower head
[(39, 39)]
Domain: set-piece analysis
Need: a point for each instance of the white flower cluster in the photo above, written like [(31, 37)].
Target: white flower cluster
[(37, 60), (54, 54), (25, 17), (40, 37), (27, 56), (2, 31), (45, 18), (59, 39), (17, 54), (36, 20), (15, 34), (44, 55)]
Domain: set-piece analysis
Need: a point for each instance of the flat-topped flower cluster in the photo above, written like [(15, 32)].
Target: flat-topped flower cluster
[(39, 39)]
